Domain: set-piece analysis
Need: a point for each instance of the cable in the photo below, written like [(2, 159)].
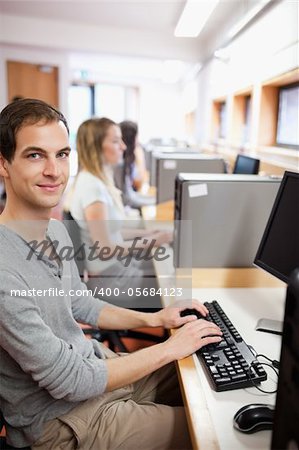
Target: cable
[(273, 364)]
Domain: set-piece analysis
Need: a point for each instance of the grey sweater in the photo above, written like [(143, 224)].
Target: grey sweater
[(47, 366)]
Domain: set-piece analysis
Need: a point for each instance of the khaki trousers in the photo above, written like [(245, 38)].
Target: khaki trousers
[(146, 415)]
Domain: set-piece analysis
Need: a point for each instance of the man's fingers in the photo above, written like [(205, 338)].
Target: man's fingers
[(186, 319), (210, 340)]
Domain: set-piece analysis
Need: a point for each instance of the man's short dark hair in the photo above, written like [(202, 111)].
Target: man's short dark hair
[(15, 115)]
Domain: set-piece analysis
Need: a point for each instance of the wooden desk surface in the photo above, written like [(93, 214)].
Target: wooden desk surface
[(206, 432), (162, 211)]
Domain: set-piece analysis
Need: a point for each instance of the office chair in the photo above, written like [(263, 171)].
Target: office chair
[(114, 338), (3, 444)]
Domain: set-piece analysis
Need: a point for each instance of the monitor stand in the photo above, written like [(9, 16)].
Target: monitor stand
[(269, 326)]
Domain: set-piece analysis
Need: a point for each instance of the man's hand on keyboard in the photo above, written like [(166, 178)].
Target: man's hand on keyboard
[(181, 312), (191, 337)]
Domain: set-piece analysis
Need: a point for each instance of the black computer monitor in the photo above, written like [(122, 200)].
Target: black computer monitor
[(278, 252), (286, 418), (246, 165)]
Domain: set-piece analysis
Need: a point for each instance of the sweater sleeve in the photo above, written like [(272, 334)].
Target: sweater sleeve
[(85, 307), (52, 362)]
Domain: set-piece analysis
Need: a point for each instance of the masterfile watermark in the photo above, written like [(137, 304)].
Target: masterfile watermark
[(98, 292), (53, 292), (95, 251)]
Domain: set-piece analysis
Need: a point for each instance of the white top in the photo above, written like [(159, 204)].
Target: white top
[(89, 189)]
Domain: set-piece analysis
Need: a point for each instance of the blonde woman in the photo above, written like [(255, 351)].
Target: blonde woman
[(97, 208)]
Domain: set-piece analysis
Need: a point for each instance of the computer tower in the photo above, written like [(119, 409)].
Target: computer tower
[(158, 153), (286, 418), (170, 165), (224, 217)]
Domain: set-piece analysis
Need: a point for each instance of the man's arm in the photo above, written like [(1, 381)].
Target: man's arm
[(116, 318), (52, 361), (184, 341), (192, 335)]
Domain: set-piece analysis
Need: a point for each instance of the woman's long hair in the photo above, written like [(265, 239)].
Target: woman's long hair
[(129, 132), (90, 137)]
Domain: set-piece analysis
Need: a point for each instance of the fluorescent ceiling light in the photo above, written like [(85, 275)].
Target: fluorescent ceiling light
[(194, 17)]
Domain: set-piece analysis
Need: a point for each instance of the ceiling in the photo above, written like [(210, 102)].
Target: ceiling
[(154, 16), (151, 15)]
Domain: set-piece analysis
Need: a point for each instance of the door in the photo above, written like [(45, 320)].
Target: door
[(33, 81)]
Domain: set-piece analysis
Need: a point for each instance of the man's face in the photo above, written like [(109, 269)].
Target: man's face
[(38, 173)]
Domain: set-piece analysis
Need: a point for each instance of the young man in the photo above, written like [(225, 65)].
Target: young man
[(59, 389)]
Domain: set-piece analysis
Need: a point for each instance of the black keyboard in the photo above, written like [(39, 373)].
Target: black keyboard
[(228, 363)]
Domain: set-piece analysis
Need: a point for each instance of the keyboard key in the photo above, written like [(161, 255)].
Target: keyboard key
[(223, 380), (213, 369), (241, 376)]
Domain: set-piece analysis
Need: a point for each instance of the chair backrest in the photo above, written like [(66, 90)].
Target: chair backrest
[(74, 232)]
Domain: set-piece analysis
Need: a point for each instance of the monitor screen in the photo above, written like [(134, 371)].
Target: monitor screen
[(278, 252), (246, 165), (287, 123)]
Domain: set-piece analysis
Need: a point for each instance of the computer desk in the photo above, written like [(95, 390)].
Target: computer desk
[(246, 295)]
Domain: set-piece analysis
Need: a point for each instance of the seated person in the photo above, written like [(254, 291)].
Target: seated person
[(131, 174), (97, 207), (57, 388)]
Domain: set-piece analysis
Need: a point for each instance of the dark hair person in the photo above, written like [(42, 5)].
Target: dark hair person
[(131, 173)]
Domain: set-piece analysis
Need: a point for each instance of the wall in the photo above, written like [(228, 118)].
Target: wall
[(35, 56), (268, 48), (160, 112)]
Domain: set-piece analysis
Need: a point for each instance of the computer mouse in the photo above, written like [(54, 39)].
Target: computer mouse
[(194, 312), (254, 417)]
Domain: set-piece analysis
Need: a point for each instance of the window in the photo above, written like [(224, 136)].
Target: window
[(110, 101), (80, 107), (247, 119), (114, 101), (287, 121), (222, 120)]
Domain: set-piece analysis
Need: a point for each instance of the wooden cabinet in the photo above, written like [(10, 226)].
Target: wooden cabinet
[(252, 125)]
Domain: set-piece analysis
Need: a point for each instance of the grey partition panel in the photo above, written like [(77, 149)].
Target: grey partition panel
[(228, 213), (170, 166), (166, 152)]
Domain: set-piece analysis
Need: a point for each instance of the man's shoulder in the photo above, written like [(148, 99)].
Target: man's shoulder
[(12, 258), (9, 242), (57, 227), (58, 233)]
